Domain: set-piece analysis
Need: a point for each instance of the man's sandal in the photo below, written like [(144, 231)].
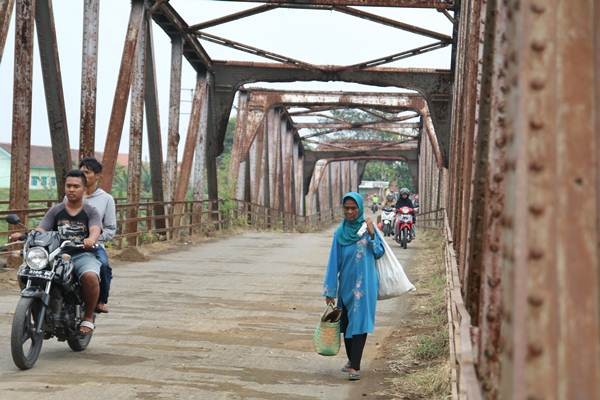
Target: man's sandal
[(87, 324), (101, 308)]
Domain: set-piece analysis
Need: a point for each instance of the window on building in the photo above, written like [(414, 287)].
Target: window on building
[(34, 180), (53, 181), (44, 180)]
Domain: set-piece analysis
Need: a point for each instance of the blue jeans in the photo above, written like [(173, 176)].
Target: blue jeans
[(105, 274)]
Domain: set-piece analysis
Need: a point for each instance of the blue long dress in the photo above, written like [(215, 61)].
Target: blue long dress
[(352, 276)]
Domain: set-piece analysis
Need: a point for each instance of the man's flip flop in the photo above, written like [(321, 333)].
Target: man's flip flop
[(86, 324)]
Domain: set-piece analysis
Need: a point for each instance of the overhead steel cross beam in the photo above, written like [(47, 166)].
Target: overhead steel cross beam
[(303, 64), (437, 4), (434, 85), (366, 145), (340, 8), (389, 128)]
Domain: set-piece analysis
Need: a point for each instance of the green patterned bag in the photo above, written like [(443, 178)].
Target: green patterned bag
[(326, 338)]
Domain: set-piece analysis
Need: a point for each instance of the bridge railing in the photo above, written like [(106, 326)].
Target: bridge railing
[(149, 221), (464, 382), (431, 219)]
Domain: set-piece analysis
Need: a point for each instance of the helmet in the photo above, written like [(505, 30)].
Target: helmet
[(390, 196), (404, 191)]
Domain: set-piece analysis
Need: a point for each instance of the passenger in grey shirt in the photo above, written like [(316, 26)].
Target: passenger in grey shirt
[(105, 205)]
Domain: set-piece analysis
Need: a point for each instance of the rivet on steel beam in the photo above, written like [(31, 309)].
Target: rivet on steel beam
[(538, 8), (506, 221), (536, 210), (501, 106), (537, 84), (534, 350), (491, 316), (501, 141), (535, 301), (495, 214), (494, 248), (536, 123), (536, 166), (538, 46), (535, 254), (501, 122), (498, 177), (493, 282)]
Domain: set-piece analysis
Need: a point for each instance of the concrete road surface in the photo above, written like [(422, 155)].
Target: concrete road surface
[(228, 319)]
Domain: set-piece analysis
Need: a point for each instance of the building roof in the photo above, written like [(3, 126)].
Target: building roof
[(41, 156)]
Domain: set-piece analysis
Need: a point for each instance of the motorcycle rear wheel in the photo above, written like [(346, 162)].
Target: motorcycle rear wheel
[(25, 343), (80, 342)]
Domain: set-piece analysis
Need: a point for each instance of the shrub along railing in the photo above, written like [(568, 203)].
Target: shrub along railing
[(148, 221)]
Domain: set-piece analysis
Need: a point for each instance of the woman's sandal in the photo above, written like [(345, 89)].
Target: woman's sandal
[(354, 376), (346, 368)]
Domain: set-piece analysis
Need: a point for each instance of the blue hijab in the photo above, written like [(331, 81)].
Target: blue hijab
[(346, 232)]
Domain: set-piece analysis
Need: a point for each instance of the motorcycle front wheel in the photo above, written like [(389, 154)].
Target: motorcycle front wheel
[(403, 238), (25, 342)]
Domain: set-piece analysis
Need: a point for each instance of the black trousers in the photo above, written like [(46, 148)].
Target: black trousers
[(354, 344), (354, 349)]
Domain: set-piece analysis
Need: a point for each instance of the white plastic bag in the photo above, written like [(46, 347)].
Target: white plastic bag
[(392, 279)]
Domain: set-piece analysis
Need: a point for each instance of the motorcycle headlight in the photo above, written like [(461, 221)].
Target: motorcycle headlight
[(37, 258)]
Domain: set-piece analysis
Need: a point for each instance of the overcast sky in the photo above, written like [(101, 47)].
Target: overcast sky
[(319, 37)]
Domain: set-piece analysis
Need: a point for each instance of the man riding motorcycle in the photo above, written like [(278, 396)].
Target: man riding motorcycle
[(404, 201), (76, 221)]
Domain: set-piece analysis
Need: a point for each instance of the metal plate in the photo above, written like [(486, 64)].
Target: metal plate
[(40, 274)]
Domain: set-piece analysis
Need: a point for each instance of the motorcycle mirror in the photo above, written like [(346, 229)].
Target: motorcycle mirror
[(13, 219)]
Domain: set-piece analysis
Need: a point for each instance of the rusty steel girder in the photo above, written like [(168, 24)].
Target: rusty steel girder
[(89, 77), (134, 168), (22, 97), (119, 107), (173, 129), (255, 102), (55, 102), (6, 8)]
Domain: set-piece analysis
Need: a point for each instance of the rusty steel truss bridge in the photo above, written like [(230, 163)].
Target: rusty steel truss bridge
[(504, 146)]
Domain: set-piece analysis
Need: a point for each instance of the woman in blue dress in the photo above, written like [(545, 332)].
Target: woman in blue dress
[(352, 277)]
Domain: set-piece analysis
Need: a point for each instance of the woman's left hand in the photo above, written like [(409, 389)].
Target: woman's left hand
[(370, 227)]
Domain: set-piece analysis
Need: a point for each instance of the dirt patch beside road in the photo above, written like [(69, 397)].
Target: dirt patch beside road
[(412, 361)]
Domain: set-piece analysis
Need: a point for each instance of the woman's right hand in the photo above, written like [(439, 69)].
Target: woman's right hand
[(330, 301)]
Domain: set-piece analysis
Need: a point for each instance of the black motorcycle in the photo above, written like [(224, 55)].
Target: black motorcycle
[(51, 303)]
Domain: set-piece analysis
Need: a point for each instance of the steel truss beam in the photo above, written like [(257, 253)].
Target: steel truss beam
[(437, 4)]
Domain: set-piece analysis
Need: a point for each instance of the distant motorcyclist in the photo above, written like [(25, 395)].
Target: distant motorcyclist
[(405, 201), (390, 200)]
